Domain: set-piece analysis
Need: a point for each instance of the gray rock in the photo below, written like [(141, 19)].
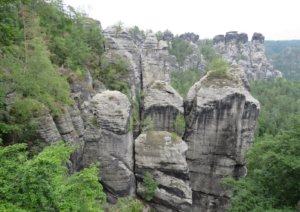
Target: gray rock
[(47, 131), (168, 36), (155, 62), (190, 37), (98, 86), (162, 103), (66, 129), (108, 140), (252, 59), (121, 43), (162, 156), (221, 117)]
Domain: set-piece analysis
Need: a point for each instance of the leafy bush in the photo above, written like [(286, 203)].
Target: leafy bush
[(179, 123), (127, 205)]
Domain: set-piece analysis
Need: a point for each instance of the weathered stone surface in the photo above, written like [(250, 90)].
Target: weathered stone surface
[(47, 131), (138, 40), (162, 156), (168, 36), (66, 129), (155, 62), (162, 103), (98, 86), (221, 117), (108, 140), (122, 44), (234, 48)]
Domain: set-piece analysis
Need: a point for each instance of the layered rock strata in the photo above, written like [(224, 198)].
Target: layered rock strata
[(163, 157), (221, 117), (252, 59), (163, 104), (108, 140)]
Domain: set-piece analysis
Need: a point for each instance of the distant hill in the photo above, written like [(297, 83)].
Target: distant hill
[(274, 47)]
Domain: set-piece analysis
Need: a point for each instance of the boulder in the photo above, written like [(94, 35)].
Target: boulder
[(163, 104), (163, 156), (108, 141), (221, 117)]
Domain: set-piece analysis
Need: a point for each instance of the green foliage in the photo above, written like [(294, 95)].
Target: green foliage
[(279, 101), (110, 74), (179, 124), (180, 48), (43, 184), (274, 47), (272, 183), (183, 81), (174, 135), (218, 68), (149, 187), (205, 48), (130, 125), (127, 205), (148, 124)]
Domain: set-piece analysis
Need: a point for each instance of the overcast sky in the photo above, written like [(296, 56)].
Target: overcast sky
[(276, 19)]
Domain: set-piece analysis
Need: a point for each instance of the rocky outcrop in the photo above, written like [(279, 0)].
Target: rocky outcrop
[(221, 117), (108, 140), (190, 37), (68, 134), (168, 36), (162, 103), (164, 158), (252, 59), (138, 40), (120, 44), (155, 61)]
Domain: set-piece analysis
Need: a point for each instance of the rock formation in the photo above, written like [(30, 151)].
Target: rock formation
[(109, 141), (190, 37), (155, 61), (252, 59), (119, 43), (162, 156), (162, 103), (221, 117)]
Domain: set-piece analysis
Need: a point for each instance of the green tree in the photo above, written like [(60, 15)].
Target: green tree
[(43, 184), (149, 187), (179, 124), (272, 183)]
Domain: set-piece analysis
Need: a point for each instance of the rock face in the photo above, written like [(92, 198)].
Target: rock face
[(163, 157), (162, 103), (168, 36), (155, 61), (221, 117), (109, 141), (190, 37), (121, 44), (252, 59)]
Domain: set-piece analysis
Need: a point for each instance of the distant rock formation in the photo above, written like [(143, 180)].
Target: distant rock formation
[(163, 156), (155, 61), (168, 36), (190, 37), (252, 59), (221, 117)]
